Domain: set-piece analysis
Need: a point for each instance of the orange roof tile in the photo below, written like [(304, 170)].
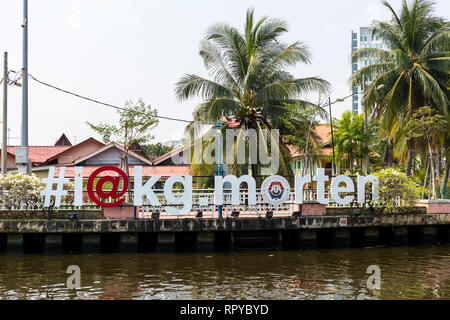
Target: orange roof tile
[(39, 154), (147, 171), (324, 132)]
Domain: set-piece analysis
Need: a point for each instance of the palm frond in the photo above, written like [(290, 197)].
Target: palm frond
[(191, 85)]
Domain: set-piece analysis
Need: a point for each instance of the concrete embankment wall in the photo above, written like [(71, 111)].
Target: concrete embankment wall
[(174, 235), (54, 214)]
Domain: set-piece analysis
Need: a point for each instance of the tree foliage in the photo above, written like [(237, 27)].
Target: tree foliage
[(249, 77), (156, 150), (426, 124), (395, 190), (413, 71), (136, 120), (20, 190), (352, 141)]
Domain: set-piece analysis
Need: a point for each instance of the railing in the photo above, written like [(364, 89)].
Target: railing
[(202, 199)]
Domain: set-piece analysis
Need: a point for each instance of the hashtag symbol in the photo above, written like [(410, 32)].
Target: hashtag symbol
[(48, 192)]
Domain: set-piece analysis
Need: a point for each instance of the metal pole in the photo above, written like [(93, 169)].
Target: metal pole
[(219, 162), (24, 137), (366, 161), (333, 160), (5, 115)]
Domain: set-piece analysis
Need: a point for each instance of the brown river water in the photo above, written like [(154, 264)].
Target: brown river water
[(406, 273)]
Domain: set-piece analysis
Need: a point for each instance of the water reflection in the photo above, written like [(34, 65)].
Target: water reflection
[(406, 273)]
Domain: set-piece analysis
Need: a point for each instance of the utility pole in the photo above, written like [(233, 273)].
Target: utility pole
[(333, 160), (5, 114), (366, 161), (22, 154), (219, 161)]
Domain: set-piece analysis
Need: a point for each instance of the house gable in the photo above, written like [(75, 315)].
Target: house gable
[(72, 154), (110, 156), (63, 141)]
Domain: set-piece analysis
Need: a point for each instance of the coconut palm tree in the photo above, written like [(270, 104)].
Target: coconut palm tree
[(352, 142), (250, 81), (412, 72)]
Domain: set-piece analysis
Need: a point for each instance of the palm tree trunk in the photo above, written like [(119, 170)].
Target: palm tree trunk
[(411, 154), (425, 179), (433, 181), (386, 153), (391, 155), (438, 173), (444, 181), (429, 182), (305, 165), (439, 160), (255, 173)]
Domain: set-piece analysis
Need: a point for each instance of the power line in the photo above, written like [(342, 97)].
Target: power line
[(100, 102), (96, 101), (120, 108)]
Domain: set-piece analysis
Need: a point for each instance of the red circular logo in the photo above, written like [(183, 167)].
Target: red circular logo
[(114, 194)]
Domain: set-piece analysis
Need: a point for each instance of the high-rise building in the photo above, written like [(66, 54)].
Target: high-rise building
[(363, 38)]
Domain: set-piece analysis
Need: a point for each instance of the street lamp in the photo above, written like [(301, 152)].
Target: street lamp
[(219, 160), (333, 159), (379, 87)]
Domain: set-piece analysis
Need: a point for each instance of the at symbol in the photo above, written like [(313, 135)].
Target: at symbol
[(115, 187)]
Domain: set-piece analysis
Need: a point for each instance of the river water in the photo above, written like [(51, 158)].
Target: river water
[(406, 273)]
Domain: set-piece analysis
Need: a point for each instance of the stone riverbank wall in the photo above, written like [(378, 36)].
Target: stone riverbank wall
[(176, 235)]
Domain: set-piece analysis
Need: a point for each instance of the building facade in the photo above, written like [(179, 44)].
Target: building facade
[(91, 155), (363, 38)]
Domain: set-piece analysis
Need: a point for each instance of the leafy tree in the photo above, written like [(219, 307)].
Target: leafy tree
[(250, 81), (351, 141), (412, 72), (136, 120), (395, 190), (156, 150), (18, 190), (425, 123)]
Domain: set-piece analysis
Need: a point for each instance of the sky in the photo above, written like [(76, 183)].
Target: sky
[(117, 50)]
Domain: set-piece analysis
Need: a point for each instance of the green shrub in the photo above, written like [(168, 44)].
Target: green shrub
[(396, 190), (18, 190)]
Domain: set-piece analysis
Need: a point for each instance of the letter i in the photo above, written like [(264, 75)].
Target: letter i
[(78, 193)]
